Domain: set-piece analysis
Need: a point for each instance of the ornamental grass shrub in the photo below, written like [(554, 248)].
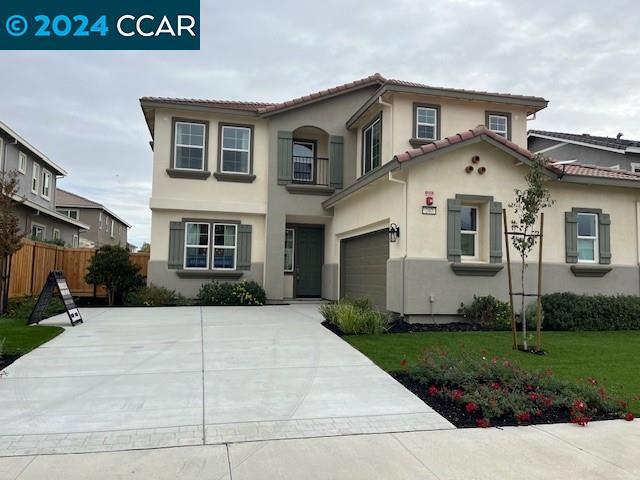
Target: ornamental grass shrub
[(569, 311), (232, 294), (355, 316)]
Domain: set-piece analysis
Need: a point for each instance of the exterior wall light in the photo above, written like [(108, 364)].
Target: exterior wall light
[(394, 233)]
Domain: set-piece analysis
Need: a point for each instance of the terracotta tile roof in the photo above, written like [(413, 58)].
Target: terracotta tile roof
[(609, 142), (230, 104), (586, 170), (480, 130)]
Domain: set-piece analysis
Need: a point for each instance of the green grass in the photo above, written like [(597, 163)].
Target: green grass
[(612, 358), (20, 338)]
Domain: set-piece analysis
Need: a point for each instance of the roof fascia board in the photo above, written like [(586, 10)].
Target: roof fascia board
[(576, 142), (197, 108), (57, 168), (609, 182)]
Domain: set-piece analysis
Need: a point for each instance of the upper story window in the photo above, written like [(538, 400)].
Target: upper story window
[(46, 185), (371, 145), (500, 123), (303, 159), (235, 149), (75, 214), (196, 246), (35, 178), (224, 246), (100, 221), (587, 237), (469, 232), (426, 122), (189, 148), (22, 162)]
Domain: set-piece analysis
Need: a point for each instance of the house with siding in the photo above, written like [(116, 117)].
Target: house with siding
[(106, 228), (37, 177), (381, 188)]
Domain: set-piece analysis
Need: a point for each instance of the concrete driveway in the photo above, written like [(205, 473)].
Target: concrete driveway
[(134, 378)]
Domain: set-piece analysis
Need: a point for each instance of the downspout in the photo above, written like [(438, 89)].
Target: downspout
[(404, 236)]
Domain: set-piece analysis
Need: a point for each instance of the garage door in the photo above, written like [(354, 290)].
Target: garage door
[(363, 267)]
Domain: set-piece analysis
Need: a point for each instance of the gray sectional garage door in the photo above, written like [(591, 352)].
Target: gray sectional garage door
[(363, 267)]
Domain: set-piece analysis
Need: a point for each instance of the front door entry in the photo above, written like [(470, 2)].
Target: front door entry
[(309, 252)]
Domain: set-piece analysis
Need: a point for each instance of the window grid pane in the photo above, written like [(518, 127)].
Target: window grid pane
[(235, 149), (224, 242), (189, 146), (197, 245), (468, 244)]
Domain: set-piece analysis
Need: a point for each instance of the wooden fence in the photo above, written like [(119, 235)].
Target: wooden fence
[(33, 262)]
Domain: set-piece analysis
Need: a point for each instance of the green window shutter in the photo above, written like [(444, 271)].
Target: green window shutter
[(495, 232), (454, 224), (176, 245), (244, 248), (285, 157), (604, 238), (571, 236), (336, 159)]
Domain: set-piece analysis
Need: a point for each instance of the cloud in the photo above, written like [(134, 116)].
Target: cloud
[(81, 108)]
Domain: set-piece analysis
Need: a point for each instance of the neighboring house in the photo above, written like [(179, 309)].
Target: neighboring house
[(617, 153), (37, 178), (107, 228), (383, 188)]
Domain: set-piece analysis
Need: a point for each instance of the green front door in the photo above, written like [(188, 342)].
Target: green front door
[(309, 252)]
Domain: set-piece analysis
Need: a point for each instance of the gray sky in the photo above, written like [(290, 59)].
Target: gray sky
[(81, 108)]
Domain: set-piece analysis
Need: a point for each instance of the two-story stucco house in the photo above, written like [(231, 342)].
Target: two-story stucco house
[(384, 188), (106, 228), (37, 176)]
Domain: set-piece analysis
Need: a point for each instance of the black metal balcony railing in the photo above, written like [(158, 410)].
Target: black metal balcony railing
[(310, 170)]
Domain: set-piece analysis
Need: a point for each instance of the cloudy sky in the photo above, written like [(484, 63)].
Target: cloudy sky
[(81, 108)]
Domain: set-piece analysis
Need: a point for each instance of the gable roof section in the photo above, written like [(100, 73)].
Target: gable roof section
[(65, 199), (618, 145), (575, 172), (57, 169)]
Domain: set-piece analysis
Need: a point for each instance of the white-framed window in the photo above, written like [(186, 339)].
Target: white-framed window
[(22, 163), (100, 221), (499, 124), (35, 177), (235, 154), (46, 185), (587, 238), (635, 167), (75, 242), (371, 144), (56, 234), (469, 232), (196, 246), (289, 249), (38, 231), (189, 145), (303, 159), (426, 123), (112, 227), (225, 239), (75, 214)]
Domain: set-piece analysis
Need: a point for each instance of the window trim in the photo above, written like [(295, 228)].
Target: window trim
[(376, 119), (221, 127), (314, 144), (436, 129), (35, 176), (187, 245), (507, 115), (595, 239), (174, 146), (293, 249), (44, 230), (635, 165), (475, 233), (21, 156), (46, 174), (66, 211), (235, 246)]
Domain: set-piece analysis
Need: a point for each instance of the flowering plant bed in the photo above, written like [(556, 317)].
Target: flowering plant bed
[(473, 391)]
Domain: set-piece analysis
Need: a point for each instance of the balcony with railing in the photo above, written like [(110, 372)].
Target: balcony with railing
[(310, 170), (310, 162)]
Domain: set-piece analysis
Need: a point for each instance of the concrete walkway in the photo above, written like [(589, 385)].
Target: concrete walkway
[(603, 450), (142, 378)]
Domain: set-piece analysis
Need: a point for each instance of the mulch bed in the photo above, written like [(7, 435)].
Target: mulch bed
[(453, 412), (7, 359)]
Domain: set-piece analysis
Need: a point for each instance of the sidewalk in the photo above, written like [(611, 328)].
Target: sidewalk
[(603, 450)]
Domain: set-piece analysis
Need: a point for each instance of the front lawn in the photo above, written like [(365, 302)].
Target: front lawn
[(612, 358)]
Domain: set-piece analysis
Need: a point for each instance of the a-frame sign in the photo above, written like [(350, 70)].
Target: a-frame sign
[(55, 281)]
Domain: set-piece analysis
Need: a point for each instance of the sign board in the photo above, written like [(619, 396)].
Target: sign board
[(55, 281)]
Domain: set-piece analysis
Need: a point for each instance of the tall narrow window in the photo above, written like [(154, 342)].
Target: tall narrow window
[(224, 246), (196, 246), (469, 232), (112, 226), (56, 234), (35, 175), (38, 232), (46, 184), (587, 237), (189, 145), (236, 149), (499, 124), (303, 159), (371, 139), (75, 242), (289, 238), (426, 123), (22, 162), (100, 221)]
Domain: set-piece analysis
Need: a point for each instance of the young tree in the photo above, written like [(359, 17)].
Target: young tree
[(527, 206), (10, 235), (145, 248), (111, 267)]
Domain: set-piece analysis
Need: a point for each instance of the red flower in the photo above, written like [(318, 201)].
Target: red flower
[(496, 386), (629, 416), (533, 396), (403, 362), (457, 394), (482, 422), (471, 407), (433, 391), (524, 417), (581, 420), (579, 405)]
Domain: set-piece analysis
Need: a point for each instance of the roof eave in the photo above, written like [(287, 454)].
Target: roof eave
[(609, 182), (57, 169)]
